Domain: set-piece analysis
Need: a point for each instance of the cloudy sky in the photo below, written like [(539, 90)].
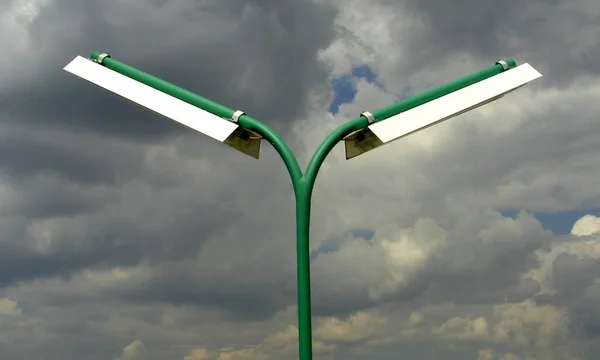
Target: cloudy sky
[(124, 236)]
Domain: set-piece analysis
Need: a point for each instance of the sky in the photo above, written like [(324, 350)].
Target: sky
[(125, 236)]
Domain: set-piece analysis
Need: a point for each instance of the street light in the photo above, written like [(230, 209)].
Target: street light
[(218, 128), (430, 108), (366, 132)]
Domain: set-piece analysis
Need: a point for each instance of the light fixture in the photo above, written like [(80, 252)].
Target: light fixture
[(438, 110), (224, 130)]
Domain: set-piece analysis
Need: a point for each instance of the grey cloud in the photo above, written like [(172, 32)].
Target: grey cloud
[(484, 269), (483, 263), (109, 237), (251, 299), (168, 227), (557, 37), (235, 275), (52, 337), (67, 318), (571, 275), (43, 197), (487, 268), (76, 157), (574, 279)]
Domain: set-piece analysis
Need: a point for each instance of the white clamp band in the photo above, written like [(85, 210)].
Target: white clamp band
[(101, 57), (236, 115), (503, 63), (369, 116)]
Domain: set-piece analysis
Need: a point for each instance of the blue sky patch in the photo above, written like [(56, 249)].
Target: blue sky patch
[(332, 245), (560, 223), (344, 87)]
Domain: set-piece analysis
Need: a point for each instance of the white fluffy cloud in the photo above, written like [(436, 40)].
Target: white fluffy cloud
[(587, 225), (134, 351), (527, 328), (9, 307), (280, 345), (486, 354)]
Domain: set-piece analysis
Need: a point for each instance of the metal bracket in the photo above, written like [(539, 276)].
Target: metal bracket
[(101, 57), (236, 115), (503, 63), (369, 116)]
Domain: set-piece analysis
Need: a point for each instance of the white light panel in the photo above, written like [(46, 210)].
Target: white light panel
[(164, 104), (453, 104)]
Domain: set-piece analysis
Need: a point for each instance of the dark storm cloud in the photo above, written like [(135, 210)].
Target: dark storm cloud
[(71, 145), (560, 38), (248, 291), (239, 300), (108, 239), (259, 56), (78, 158), (574, 280), (44, 197)]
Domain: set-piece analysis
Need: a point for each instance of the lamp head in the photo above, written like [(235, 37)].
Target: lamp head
[(224, 130), (438, 110)]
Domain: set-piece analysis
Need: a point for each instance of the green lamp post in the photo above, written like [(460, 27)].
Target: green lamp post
[(364, 133)]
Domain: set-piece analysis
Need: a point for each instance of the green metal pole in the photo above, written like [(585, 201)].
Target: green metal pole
[(303, 207), (303, 184), (166, 87)]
